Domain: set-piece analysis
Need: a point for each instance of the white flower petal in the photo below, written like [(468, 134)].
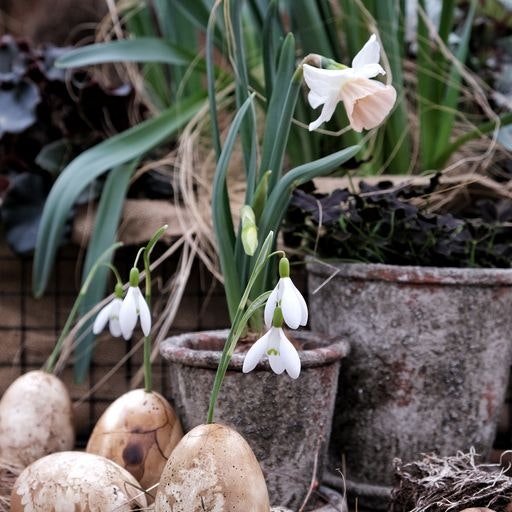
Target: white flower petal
[(323, 82), (289, 356), (145, 315), (255, 353), (114, 327), (315, 100), (368, 54), (102, 319), (270, 306), (369, 71), (128, 313), (326, 114), (276, 364), (290, 304), (303, 305)]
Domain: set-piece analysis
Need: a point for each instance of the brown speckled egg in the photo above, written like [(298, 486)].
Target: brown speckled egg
[(36, 418), (138, 431), (212, 468), (76, 481)]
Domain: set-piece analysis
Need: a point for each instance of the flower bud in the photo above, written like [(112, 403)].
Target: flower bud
[(249, 231)]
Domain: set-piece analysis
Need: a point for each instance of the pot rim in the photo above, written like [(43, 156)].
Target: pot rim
[(403, 274), (177, 349)]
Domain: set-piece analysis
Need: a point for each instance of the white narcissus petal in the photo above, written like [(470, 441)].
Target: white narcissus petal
[(289, 356), (368, 54), (303, 305), (145, 314), (369, 71), (255, 353), (128, 313), (102, 319), (270, 306), (327, 112), (290, 304)]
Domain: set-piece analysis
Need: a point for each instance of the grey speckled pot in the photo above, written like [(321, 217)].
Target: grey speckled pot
[(287, 422), (429, 363)]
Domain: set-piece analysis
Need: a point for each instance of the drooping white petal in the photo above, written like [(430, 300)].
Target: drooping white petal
[(290, 304), (303, 305), (324, 81), (255, 353), (289, 356), (326, 114), (274, 350), (128, 313), (270, 306), (113, 324), (315, 100), (145, 314), (368, 54), (102, 319)]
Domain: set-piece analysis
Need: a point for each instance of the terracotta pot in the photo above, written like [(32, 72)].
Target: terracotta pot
[(287, 422), (428, 369)]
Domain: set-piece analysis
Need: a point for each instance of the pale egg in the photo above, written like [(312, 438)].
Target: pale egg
[(36, 418), (76, 481), (212, 468)]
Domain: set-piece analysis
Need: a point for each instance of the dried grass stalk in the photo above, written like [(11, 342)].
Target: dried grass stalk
[(450, 484)]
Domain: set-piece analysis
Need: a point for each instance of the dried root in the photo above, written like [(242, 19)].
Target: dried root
[(450, 484)]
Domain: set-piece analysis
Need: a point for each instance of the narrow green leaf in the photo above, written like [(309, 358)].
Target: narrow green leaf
[(221, 214), (141, 49), (103, 236), (277, 103), (87, 167)]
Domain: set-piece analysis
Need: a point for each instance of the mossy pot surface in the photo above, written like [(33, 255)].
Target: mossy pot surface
[(428, 369)]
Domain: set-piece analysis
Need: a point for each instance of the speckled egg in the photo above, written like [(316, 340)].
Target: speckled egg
[(76, 481), (138, 431), (212, 468), (36, 418)]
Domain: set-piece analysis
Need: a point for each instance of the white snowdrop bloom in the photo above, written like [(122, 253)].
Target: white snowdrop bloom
[(110, 314), (134, 306), (282, 355), (286, 296), (366, 101)]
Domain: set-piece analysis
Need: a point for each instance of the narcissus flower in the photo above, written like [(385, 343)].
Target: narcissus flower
[(281, 354), (286, 296), (134, 305), (366, 101), (110, 314)]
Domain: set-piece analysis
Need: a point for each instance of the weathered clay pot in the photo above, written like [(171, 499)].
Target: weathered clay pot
[(428, 369), (286, 422)]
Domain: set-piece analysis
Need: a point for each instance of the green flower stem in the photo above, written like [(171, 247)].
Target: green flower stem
[(54, 356), (240, 320), (148, 378)]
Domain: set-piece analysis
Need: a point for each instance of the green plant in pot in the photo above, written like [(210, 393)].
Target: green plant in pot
[(286, 422), (416, 277)]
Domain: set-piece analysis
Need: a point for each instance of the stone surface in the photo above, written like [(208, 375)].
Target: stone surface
[(429, 362)]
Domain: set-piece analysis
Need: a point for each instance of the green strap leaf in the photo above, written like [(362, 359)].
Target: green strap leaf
[(87, 167), (141, 49), (103, 236)]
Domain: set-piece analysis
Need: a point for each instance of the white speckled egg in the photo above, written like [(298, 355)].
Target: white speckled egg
[(212, 468), (36, 418), (138, 431), (76, 481)]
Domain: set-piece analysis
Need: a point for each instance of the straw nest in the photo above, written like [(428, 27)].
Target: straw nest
[(450, 484)]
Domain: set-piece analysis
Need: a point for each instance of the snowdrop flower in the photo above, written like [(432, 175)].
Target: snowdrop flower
[(110, 314), (366, 101), (133, 306), (282, 355), (286, 296)]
